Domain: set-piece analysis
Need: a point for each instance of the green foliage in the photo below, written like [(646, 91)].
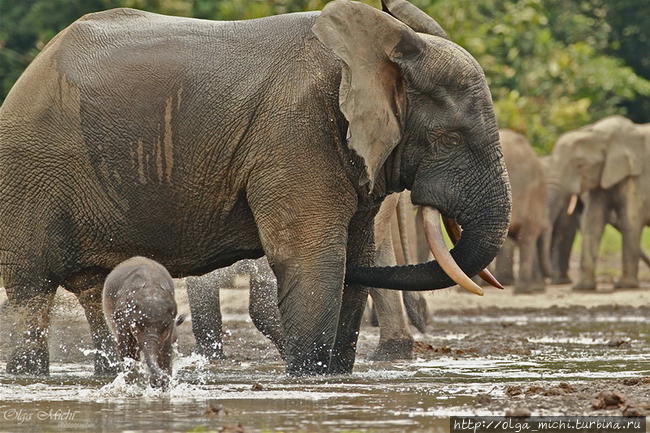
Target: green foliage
[(545, 62), (552, 65)]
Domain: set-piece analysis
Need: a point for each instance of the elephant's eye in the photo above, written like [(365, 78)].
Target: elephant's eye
[(441, 139)]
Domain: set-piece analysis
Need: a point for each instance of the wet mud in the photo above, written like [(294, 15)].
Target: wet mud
[(555, 353)]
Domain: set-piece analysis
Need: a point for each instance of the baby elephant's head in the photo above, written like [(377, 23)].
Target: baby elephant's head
[(154, 328)]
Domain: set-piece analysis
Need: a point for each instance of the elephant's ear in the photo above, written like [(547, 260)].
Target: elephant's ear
[(372, 95), (625, 156), (413, 17)]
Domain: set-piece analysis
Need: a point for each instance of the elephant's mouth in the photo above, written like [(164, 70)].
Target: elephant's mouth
[(433, 234)]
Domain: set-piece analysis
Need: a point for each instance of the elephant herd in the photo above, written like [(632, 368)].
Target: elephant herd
[(201, 143), (596, 175)]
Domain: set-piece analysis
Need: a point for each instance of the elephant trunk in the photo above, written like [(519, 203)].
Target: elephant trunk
[(151, 349), (485, 220)]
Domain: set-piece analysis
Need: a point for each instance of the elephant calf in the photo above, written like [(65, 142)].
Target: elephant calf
[(140, 310)]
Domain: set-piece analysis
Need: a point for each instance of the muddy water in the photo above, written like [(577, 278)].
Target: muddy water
[(481, 362)]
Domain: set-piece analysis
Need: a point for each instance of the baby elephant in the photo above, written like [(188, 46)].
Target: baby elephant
[(140, 310)]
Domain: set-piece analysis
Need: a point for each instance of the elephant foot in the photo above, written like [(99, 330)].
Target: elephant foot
[(585, 286), (29, 362), (562, 279), (530, 287), (106, 366), (392, 350), (627, 283), (160, 381), (314, 362)]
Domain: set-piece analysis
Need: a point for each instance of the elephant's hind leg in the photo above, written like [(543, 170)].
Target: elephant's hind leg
[(28, 309), (91, 301), (205, 307), (631, 232), (263, 305)]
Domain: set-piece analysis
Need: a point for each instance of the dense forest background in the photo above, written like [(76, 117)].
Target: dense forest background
[(552, 65)]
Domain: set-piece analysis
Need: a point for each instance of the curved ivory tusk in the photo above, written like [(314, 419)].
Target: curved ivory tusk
[(572, 204), (454, 231), (433, 233)]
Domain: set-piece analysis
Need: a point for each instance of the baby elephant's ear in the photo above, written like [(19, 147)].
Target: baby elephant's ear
[(180, 319), (372, 95)]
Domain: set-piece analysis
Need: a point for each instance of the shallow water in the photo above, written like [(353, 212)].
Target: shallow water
[(415, 395)]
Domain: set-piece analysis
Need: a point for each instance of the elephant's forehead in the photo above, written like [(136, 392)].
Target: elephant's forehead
[(443, 50)]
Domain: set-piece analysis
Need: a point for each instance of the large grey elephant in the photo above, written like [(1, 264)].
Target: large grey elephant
[(607, 164), (529, 216), (199, 143)]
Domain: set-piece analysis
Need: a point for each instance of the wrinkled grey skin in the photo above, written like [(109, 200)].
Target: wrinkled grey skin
[(529, 215), (608, 164), (395, 341), (140, 310), (200, 143)]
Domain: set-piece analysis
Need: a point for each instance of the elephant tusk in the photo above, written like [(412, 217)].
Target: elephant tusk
[(454, 231), (433, 234), (572, 204)]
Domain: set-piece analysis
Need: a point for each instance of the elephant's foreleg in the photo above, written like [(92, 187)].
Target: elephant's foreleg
[(591, 226), (564, 233), (203, 297), (28, 313), (631, 229), (309, 300), (395, 339), (105, 358), (362, 253), (527, 242)]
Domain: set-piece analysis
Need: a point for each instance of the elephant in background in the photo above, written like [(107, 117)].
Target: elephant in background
[(199, 143), (395, 340), (529, 215), (607, 165), (563, 233)]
